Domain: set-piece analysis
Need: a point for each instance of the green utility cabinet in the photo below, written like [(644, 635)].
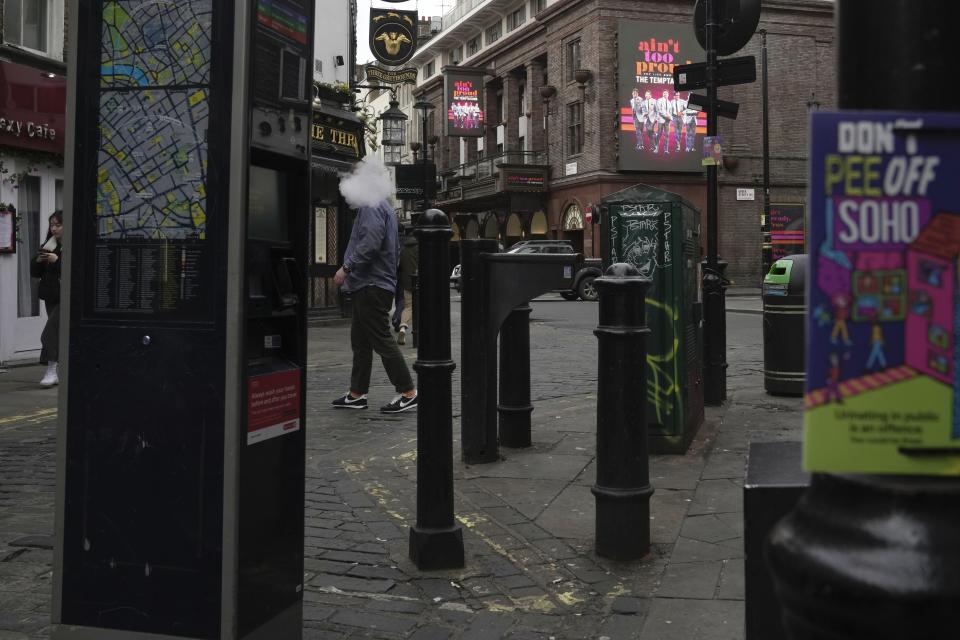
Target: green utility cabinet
[(658, 232)]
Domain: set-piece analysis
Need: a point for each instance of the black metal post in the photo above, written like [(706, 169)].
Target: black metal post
[(767, 250), (867, 556), (623, 486), (436, 541), (514, 406), (478, 357), (415, 311), (426, 199), (714, 305)]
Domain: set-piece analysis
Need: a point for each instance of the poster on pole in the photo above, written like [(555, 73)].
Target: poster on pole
[(463, 102), (658, 130), (883, 394)]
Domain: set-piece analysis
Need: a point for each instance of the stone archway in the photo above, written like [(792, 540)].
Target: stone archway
[(571, 226), (514, 232), (538, 226), (471, 230), (491, 227)]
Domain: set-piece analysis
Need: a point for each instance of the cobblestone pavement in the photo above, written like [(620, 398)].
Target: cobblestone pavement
[(528, 519)]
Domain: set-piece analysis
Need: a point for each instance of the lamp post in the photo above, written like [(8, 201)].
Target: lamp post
[(424, 108), (546, 94), (394, 132)]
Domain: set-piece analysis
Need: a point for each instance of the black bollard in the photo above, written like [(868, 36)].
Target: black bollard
[(514, 406), (414, 311), (623, 486), (715, 338), (478, 370), (436, 542), (870, 556)]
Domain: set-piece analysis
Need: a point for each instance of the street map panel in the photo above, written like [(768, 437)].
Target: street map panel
[(156, 43), (154, 107), (152, 165)]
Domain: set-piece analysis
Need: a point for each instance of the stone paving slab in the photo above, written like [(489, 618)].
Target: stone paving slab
[(527, 521)]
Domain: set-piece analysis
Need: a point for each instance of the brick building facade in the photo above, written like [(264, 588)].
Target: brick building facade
[(529, 44)]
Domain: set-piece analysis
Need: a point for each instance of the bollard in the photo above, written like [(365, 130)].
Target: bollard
[(623, 486), (436, 541), (715, 334), (415, 311), (478, 370), (872, 556), (514, 407)]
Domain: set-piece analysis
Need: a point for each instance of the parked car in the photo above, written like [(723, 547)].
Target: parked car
[(586, 272)]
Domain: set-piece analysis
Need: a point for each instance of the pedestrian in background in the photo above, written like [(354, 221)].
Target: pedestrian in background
[(369, 273), (46, 266), (409, 263)]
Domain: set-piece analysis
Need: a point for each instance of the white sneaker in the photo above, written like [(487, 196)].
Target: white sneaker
[(50, 378), (402, 335)]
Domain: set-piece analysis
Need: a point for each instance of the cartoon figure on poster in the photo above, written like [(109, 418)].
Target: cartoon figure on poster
[(658, 128), (883, 393)]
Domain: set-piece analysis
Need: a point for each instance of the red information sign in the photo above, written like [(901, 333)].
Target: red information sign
[(273, 405)]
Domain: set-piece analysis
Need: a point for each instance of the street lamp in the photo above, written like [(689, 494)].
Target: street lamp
[(394, 132), (424, 108)]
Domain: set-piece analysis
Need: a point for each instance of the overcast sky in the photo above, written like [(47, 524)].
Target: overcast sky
[(423, 7)]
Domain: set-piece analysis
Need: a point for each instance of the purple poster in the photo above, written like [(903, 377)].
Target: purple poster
[(883, 394)]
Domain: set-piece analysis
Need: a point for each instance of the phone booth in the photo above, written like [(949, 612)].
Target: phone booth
[(180, 487)]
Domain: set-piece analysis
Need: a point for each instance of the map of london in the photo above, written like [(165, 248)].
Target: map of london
[(154, 109)]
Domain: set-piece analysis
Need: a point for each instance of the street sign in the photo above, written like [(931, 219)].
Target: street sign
[(724, 109), (745, 194), (730, 71), (404, 75), (737, 21)]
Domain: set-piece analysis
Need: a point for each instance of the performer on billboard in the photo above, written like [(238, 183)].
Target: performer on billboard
[(677, 106), (650, 120), (636, 107), (689, 125), (664, 117)]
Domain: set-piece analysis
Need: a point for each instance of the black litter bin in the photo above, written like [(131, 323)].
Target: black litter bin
[(784, 316)]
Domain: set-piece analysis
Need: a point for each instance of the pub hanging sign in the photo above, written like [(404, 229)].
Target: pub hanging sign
[(393, 35)]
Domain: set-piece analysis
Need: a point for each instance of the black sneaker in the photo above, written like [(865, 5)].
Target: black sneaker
[(400, 404), (348, 402)]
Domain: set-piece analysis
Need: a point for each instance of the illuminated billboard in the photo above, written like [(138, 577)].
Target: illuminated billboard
[(462, 101), (658, 130)]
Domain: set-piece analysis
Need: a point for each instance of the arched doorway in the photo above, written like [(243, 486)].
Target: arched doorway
[(472, 230), (491, 227), (454, 246), (538, 226), (514, 231), (572, 226)]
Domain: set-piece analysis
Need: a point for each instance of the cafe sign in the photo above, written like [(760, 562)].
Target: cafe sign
[(32, 108)]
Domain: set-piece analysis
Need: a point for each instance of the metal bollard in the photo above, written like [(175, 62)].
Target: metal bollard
[(715, 334), (478, 367), (415, 311), (876, 556), (436, 541), (514, 407), (623, 486)]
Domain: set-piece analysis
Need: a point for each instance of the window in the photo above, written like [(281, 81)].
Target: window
[(536, 6), (522, 90), (25, 23), (516, 18), (429, 69), (474, 45), (501, 114), (574, 128), (456, 55), (573, 58), (494, 32), (392, 154)]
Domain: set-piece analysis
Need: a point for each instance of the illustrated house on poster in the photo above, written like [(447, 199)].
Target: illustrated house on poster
[(933, 260)]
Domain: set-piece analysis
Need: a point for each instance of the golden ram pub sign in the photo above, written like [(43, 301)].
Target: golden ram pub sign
[(393, 35)]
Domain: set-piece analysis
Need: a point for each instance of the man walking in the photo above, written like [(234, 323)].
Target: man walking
[(369, 273)]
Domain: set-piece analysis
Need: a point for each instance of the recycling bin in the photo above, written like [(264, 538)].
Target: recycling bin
[(784, 316)]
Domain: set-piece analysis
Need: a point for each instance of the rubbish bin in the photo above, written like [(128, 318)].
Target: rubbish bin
[(784, 316)]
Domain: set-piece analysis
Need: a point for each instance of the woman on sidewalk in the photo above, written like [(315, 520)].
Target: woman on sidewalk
[(46, 266)]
